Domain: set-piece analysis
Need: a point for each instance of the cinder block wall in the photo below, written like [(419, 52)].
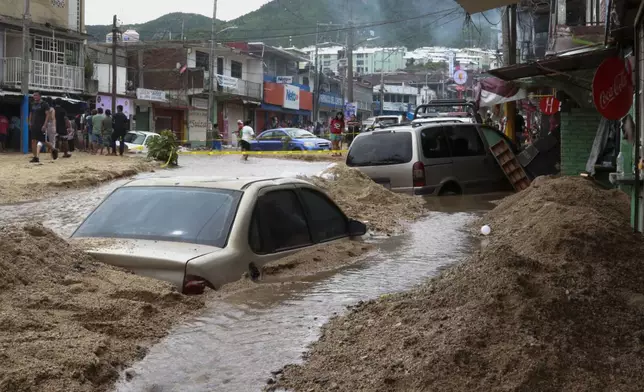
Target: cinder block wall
[(578, 130)]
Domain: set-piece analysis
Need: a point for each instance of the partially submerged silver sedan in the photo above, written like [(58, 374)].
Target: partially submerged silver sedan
[(198, 233)]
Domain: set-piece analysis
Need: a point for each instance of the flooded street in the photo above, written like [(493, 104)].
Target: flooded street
[(65, 211), (235, 343)]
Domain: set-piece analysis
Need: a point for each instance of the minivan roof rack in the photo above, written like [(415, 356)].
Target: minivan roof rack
[(422, 110)]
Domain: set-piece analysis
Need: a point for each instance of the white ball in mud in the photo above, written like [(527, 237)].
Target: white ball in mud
[(486, 230)]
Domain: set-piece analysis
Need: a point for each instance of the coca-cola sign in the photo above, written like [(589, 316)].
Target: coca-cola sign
[(613, 88)]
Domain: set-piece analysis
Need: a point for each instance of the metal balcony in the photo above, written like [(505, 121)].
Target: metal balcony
[(42, 75), (244, 88)]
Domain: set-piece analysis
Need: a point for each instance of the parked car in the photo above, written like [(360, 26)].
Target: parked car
[(431, 159), (136, 141), (293, 139), (198, 233)]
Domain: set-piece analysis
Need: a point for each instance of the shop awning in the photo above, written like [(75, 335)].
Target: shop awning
[(572, 61), (475, 6), (279, 109)]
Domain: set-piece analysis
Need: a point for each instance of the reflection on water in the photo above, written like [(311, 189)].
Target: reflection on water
[(236, 343)]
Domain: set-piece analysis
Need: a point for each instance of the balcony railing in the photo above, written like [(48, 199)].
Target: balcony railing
[(244, 88), (42, 75)]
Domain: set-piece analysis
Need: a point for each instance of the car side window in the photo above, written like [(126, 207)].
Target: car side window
[(279, 135), (465, 141), (266, 135), (328, 222), (278, 223), (434, 143)]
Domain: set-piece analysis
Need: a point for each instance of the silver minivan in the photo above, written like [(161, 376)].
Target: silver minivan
[(431, 159)]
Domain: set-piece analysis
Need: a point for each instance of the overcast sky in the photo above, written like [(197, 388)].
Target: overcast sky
[(100, 12)]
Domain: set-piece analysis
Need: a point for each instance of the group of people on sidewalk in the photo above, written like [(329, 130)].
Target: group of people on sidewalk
[(49, 126)]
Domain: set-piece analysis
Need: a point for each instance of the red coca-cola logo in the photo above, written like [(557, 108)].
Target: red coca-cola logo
[(613, 88)]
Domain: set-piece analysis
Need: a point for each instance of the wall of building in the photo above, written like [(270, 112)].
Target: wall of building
[(45, 11), (578, 130), (103, 73)]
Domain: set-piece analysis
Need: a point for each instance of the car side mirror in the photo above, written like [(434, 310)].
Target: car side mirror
[(356, 228)]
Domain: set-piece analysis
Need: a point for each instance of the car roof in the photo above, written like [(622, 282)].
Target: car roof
[(426, 120), (146, 133), (235, 183)]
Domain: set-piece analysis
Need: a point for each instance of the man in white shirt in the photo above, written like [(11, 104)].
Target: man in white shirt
[(246, 134)]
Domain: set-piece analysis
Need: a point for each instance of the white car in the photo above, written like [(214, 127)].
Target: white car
[(136, 142), (198, 233)]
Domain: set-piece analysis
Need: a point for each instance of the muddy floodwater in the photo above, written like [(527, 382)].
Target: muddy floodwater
[(236, 342)]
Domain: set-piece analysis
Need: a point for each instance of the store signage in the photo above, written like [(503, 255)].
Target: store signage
[(350, 109), (200, 103), (330, 100), (105, 102), (197, 125), (549, 105), (284, 79), (291, 97), (150, 95), (613, 88), (460, 77), (227, 81)]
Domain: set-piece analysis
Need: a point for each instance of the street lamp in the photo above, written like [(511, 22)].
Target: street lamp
[(211, 77)]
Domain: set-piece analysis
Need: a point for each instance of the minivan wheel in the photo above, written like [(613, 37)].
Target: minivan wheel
[(450, 189), (253, 272)]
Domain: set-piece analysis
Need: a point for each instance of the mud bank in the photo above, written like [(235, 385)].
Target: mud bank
[(360, 198), (554, 302), (69, 323), (23, 181)]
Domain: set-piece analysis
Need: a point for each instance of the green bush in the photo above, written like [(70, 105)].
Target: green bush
[(164, 148)]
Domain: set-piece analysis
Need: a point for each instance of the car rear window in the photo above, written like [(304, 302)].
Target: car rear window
[(178, 214), (381, 148)]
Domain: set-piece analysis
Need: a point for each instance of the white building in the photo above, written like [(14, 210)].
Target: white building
[(365, 60), (474, 59)]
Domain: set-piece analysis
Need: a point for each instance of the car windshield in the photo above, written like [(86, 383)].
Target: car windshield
[(380, 148), (295, 133), (134, 138), (178, 214)]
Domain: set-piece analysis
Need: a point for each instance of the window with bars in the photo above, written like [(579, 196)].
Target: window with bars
[(57, 51)]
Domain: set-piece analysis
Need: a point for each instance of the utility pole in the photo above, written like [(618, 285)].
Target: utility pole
[(316, 87), (24, 83), (183, 21), (115, 31), (510, 57), (350, 56), (212, 73), (382, 84)]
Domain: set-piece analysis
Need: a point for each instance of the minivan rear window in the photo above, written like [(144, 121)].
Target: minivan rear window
[(381, 148)]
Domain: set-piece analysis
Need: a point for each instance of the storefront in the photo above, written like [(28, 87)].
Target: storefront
[(291, 104), (143, 112), (330, 104), (171, 118)]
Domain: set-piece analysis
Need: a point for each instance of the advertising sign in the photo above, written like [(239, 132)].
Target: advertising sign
[(200, 103), (350, 109), (330, 100), (284, 79), (450, 61), (105, 102), (460, 77), (291, 97), (613, 88), (150, 95), (549, 105), (227, 81), (197, 125)]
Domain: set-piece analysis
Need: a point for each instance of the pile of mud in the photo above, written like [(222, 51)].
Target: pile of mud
[(70, 323), (554, 302), (361, 198)]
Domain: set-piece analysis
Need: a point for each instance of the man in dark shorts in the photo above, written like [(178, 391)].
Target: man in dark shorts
[(121, 124), (37, 120), (246, 134)]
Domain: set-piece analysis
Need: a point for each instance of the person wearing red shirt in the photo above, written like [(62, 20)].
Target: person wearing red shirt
[(4, 127), (337, 127)]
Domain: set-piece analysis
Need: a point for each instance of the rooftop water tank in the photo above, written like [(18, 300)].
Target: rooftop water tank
[(130, 36)]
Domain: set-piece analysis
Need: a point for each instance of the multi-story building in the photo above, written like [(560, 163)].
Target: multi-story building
[(365, 60), (56, 39), (166, 86)]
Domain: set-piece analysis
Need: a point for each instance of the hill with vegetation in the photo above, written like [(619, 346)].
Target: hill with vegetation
[(411, 23)]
